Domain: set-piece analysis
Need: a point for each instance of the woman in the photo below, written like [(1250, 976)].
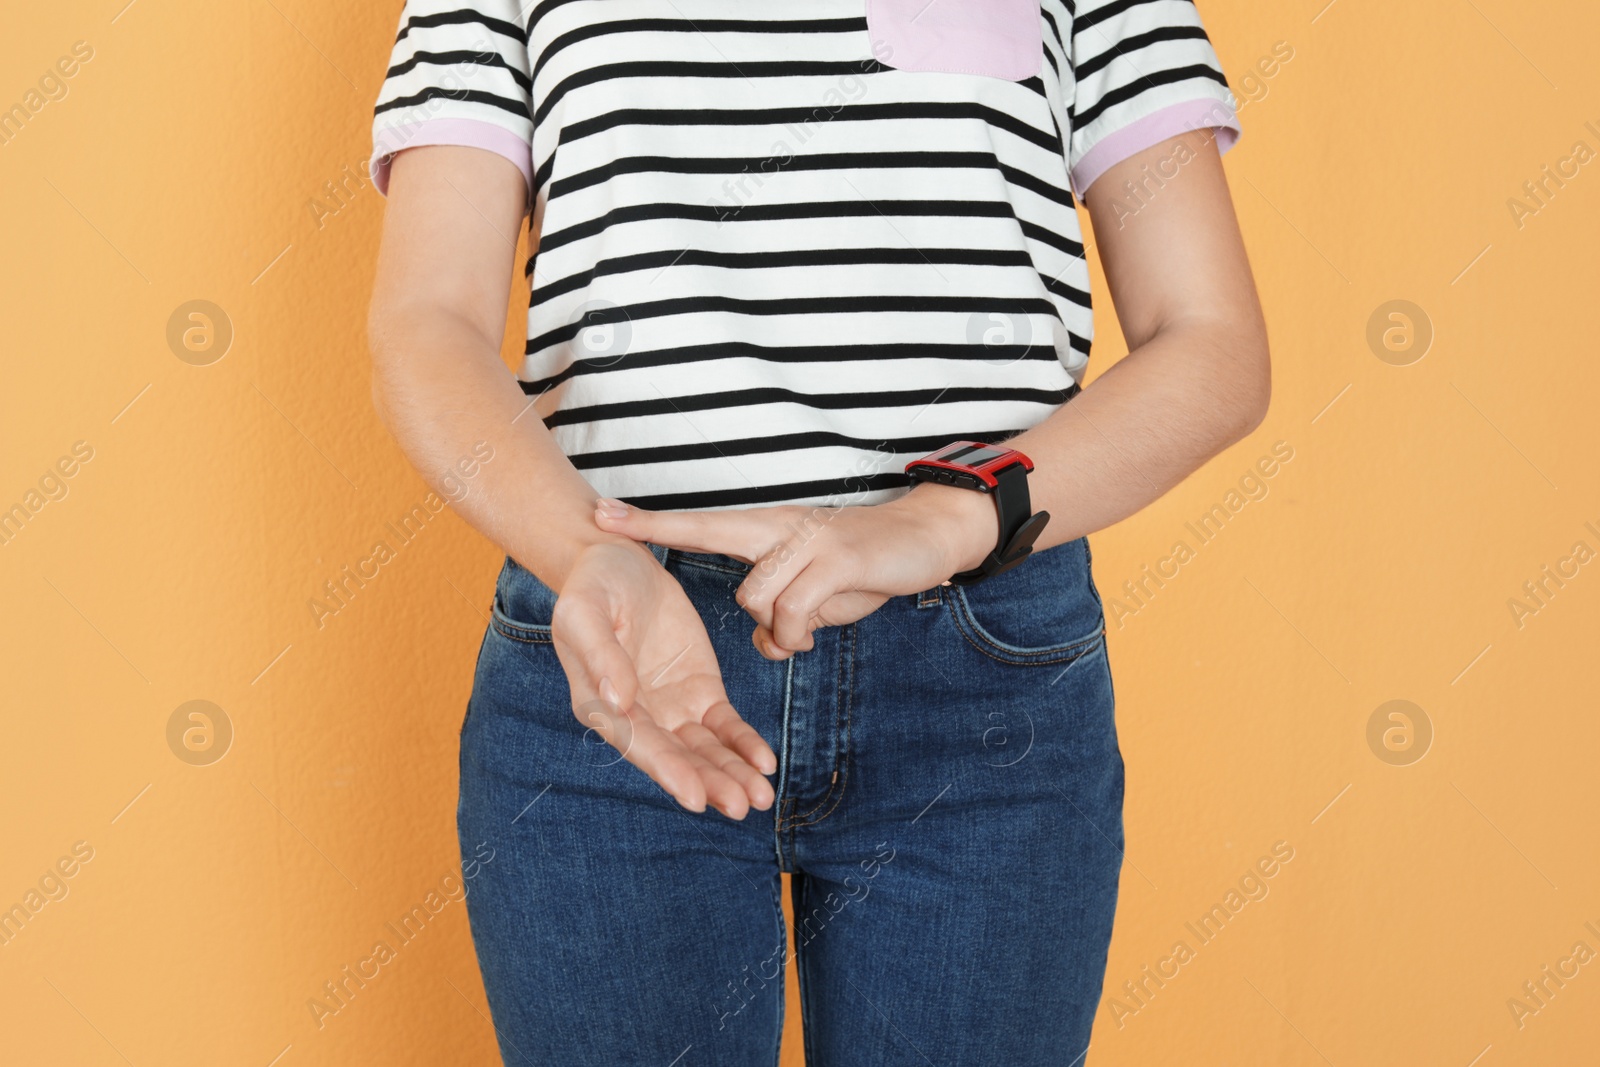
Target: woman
[(785, 249)]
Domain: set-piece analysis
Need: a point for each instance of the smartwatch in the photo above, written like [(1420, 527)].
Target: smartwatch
[(1003, 474)]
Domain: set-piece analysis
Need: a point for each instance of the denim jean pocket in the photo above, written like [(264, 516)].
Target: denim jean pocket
[(994, 39), (523, 605), (1044, 612)]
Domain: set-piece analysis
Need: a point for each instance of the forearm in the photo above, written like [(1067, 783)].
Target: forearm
[(1196, 379), (1145, 425), (1138, 430), (440, 386), (1190, 390)]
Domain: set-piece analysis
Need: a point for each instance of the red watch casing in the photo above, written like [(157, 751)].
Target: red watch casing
[(1000, 472), (970, 464)]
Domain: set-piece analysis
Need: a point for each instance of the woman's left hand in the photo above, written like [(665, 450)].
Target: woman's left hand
[(814, 566)]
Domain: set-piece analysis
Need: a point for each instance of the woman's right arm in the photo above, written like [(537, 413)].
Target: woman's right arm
[(639, 664), (437, 319)]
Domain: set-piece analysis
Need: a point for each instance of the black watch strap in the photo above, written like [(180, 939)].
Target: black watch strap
[(1020, 527)]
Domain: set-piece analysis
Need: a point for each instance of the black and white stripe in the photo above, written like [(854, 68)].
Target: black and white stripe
[(771, 269)]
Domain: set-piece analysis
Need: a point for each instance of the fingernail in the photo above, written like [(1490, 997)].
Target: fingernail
[(610, 513), (608, 692), (610, 502)]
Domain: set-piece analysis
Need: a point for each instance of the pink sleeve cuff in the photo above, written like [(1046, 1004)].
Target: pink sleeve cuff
[(1152, 130), (470, 133)]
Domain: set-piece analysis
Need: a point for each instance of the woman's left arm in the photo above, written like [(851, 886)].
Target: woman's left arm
[(1196, 379)]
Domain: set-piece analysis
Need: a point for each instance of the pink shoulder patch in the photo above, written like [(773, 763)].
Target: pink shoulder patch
[(995, 38)]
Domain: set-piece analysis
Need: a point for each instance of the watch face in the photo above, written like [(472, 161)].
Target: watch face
[(972, 455), (973, 464)]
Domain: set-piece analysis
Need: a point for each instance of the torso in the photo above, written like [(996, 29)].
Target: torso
[(772, 269)]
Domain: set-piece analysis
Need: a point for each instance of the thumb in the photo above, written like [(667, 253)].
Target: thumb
[(597, 666), (600, 673)]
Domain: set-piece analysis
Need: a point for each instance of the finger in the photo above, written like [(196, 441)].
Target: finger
[(586, 644), (612, 725), (693, 777), (746, 787), (722, 791), (739, 736), (736, 738), (761, 637), (723, 721), (770, 575), (668, 762), (838, 610), (796, 611), (736, 533), (847, 606)]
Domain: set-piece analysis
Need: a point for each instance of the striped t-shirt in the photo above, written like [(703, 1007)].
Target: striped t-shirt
[(785, 246)]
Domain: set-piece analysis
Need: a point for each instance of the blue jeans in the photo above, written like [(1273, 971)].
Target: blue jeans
[(949, 805)]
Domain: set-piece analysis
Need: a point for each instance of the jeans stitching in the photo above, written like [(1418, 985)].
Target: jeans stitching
[(783, 940), (841, 765), (801, 957), (784, 802), (804, 818), (974, 633), (524, 634), (704, 564)]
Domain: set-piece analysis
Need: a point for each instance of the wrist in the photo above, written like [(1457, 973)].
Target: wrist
[(557, 553), (964, 525)]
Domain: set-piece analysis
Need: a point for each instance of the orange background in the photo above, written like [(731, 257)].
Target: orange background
[(1377, 164)]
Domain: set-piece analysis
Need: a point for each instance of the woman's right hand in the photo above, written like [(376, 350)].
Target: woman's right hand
[(623, 628), (644, 677)]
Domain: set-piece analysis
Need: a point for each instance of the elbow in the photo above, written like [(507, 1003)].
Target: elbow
[(377, 368), (1258, 399), (378, 404), (1227, 365), (379, 391), (1251, 392)]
